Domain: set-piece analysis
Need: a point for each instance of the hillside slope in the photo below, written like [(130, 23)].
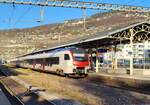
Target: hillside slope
[(22, 41)]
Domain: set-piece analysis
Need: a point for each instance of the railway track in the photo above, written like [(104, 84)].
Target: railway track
[(97, 80), (95, 84), (14, 100), (19, 99)]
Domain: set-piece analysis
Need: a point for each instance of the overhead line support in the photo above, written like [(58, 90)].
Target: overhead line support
[(80, 4)]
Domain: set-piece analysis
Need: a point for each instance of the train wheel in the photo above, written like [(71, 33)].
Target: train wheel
[(66, 75), (57, 72), (61, 72), (85, 75)]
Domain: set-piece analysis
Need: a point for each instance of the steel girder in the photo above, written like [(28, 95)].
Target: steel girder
[(79, 4), (140, 33)]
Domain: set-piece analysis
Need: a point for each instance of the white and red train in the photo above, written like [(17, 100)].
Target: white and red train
[(64, 61)]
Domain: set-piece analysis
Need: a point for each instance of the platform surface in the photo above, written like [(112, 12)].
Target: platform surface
[(125, 76)]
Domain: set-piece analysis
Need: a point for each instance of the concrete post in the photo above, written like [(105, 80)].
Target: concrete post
[(115, 59), (84, 18), (97, 63), (131, 56), (42, 14), (144, 53), (91, 58), (112, 58)]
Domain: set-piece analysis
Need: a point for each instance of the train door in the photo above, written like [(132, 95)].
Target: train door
[(43, 64), (67, 64), (55, 62), (48, 64), (34, 63)]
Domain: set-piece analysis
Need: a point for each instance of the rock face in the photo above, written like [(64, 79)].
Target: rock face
[(17, 42)]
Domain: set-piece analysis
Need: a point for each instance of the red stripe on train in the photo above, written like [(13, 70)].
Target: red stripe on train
[(81, 64)]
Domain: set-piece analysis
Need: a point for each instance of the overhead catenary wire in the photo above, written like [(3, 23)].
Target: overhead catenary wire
[(81, 4), (70, 4), (24, 13), (27, 11)]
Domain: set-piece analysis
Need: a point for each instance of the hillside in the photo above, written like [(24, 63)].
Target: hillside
[(21, 41)]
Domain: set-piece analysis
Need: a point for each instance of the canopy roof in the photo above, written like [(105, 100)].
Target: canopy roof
[(140, 32)]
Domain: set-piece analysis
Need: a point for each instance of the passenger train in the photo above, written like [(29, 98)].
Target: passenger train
[(63, 61)]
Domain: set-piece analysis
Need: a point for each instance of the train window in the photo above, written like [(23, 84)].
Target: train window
[(30, 61), (47, 60), (39, 61), (52, 60), (79, 51), (55, 60), (79, 58), (66, 57)]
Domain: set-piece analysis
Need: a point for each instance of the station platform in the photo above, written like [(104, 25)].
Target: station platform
[(127, 76), (3, 99), (138, 74), (131, 82)]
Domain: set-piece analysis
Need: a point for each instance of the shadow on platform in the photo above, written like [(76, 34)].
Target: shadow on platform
[(9, 71)]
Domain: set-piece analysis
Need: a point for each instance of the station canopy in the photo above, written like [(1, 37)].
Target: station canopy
[(140, 32)]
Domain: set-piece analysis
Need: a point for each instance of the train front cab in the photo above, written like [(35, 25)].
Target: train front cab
[(76, 62)]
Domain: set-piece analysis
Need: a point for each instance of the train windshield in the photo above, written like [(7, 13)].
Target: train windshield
[(80, 55)]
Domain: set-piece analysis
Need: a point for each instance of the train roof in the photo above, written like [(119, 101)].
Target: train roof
[(44, 54), (52, 50)]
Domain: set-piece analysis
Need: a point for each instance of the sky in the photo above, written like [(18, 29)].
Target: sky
[(26, 16)]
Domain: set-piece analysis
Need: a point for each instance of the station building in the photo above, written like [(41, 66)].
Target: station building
[(141, 53)]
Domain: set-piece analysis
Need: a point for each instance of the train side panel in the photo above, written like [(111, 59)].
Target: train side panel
[(58, 61)]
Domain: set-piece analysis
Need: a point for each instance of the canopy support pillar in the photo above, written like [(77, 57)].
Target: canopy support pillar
[(97, 63), (131, 56), (115, 59)]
